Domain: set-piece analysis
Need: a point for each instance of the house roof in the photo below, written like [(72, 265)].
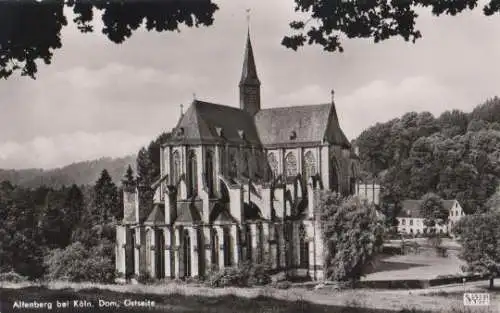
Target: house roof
[(411, 208), (300, 124), (206, 122)]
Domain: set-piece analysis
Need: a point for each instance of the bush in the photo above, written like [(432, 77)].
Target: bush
[(245, 275), (282, 284), (78, 263), (12, 277)]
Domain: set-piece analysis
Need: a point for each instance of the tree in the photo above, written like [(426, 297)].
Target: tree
[(128, 180), (325, 22), (479, 236), (145, 179), (30, 30), (433, 210), (493, 202), (106, 199), (352, 234)]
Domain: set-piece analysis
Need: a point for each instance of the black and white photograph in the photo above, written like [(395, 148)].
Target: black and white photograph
[(250, 156)]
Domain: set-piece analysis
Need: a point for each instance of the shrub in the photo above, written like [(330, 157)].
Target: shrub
[(12, 277), (282, 284), (352, 235), (78, 263), (244, 275)]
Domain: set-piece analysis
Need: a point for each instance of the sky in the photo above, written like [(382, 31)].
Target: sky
[(101, 99)]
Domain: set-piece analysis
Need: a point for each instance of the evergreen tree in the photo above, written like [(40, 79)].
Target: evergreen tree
[(145, 179), (128, 181), (106, 199)]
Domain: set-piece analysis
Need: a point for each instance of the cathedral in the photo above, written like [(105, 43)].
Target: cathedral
[(238, 185)]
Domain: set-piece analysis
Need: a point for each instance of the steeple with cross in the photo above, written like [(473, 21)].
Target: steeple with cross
[(249, 82)]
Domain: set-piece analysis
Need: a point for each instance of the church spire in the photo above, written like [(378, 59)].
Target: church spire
[(249, 83)]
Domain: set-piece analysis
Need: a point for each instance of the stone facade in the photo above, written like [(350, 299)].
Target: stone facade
[(238, 185)]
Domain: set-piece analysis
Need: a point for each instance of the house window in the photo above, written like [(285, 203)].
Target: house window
[(403, 221), (411, 222)]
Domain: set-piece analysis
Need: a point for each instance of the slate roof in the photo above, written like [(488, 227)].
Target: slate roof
[(189, 212), (411, 208), (249, 72), (156, 216), (300, 124), (206, 122), (220, 214)]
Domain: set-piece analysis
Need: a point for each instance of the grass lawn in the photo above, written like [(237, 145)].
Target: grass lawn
[(424, 265), (165, 303)]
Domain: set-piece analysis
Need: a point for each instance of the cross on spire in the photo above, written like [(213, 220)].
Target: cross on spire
[(248, 17), (182, 109), (333, 95)]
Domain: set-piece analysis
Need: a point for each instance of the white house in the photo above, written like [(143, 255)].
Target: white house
[(410, 221)]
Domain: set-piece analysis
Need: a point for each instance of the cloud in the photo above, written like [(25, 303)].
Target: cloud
[(50, 152), (382, 100)]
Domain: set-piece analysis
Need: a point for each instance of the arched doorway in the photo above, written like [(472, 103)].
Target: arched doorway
[(130, 254), (160, 254), (227, 247), (248, 242), (187, 253), (303, 247), (209, 172), (334, 175), (215, 249)]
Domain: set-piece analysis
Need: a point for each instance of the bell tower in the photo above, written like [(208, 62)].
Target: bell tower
[(249, 83)]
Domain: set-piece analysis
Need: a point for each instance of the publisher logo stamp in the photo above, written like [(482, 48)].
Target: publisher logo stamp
[(476, 299)]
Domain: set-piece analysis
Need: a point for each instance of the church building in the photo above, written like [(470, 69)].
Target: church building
[(238, 184)]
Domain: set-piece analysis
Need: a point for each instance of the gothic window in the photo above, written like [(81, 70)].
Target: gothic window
[(273, 164), (244, 163), (334, 176), (310, 165), (223, 160), (209, 171), (192, 173), (291, 165), (233, 163), (176, 167)]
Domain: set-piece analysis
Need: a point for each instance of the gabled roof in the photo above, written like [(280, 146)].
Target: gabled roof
[(156, 216), (189, 212), (411, 208), (206, 122), (300, 124)]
